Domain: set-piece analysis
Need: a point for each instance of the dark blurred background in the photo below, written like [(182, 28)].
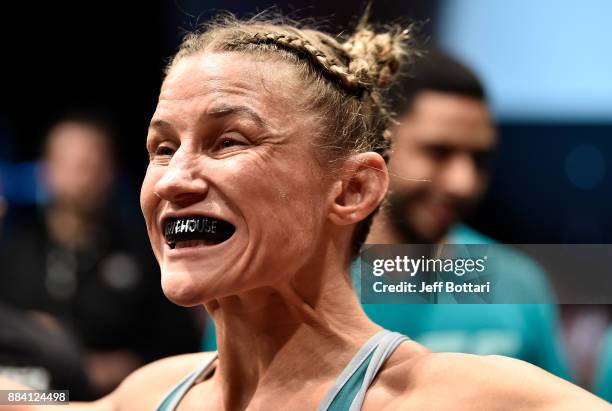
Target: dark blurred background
[(544, 65)]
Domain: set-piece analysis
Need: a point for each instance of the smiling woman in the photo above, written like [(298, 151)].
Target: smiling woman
[(267, 161), (222, 148)]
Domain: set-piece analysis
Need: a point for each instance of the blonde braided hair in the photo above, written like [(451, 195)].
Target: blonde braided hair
[(348, 78)]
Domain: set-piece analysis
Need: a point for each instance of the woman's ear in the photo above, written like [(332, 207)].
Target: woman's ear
[(362, 187)]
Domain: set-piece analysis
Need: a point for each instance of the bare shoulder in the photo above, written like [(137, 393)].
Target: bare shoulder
[(145, 387), (141, 390), (462, 381)]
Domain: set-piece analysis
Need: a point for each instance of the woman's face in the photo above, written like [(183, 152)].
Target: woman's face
[(231, 151)]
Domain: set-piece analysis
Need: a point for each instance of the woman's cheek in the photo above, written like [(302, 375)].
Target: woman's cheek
[(149, 202), (146, 195)]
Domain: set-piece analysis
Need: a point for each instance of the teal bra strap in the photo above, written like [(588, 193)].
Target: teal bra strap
[(386, 347), (171, 400), (348, 392)]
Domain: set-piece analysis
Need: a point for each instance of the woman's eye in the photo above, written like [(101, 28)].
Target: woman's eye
[(226, 142), (162, 154), (164, 151), (231, 140)]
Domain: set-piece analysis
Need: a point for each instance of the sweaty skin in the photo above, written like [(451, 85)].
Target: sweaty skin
[(287, 318)]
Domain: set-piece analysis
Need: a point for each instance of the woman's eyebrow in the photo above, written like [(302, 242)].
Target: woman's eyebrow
[(218, 111), (160, 124), (225, 110)]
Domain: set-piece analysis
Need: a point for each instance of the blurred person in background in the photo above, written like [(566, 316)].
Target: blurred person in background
[(37, 357), (439, 171), (79, 265), (445, 138)]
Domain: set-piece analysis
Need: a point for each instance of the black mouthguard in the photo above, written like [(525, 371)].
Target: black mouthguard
[(197, 228)]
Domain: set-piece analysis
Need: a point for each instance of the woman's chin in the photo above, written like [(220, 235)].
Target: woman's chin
[(182, 289), (187, 286)]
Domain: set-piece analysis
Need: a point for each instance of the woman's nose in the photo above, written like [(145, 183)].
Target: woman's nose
[(182, 182)]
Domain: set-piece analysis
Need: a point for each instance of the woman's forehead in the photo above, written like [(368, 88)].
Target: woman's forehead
[(268, 80), (206, 84)]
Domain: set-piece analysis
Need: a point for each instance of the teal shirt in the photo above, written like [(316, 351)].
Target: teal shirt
[(603, 377), (529, 332)]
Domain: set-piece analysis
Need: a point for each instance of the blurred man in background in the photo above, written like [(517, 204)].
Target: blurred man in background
[(439, 170), (80, 266), (441, 153)]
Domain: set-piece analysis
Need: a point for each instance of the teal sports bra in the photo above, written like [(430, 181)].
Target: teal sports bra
[(347, 393)]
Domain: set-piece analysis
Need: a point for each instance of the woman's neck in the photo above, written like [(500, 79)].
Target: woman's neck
[(279, 340)]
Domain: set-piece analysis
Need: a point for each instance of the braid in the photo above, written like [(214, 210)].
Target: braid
[(330, 66)]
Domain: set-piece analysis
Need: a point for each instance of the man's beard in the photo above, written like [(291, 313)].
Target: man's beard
[(400, 223)]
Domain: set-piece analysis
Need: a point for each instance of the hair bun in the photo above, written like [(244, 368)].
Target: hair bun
[(375, 58)]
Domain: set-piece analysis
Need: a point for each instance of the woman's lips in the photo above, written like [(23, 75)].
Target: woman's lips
[(194, 243), (195, 249)]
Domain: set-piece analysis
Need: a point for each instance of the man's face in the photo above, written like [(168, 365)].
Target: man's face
[(445, 139)]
